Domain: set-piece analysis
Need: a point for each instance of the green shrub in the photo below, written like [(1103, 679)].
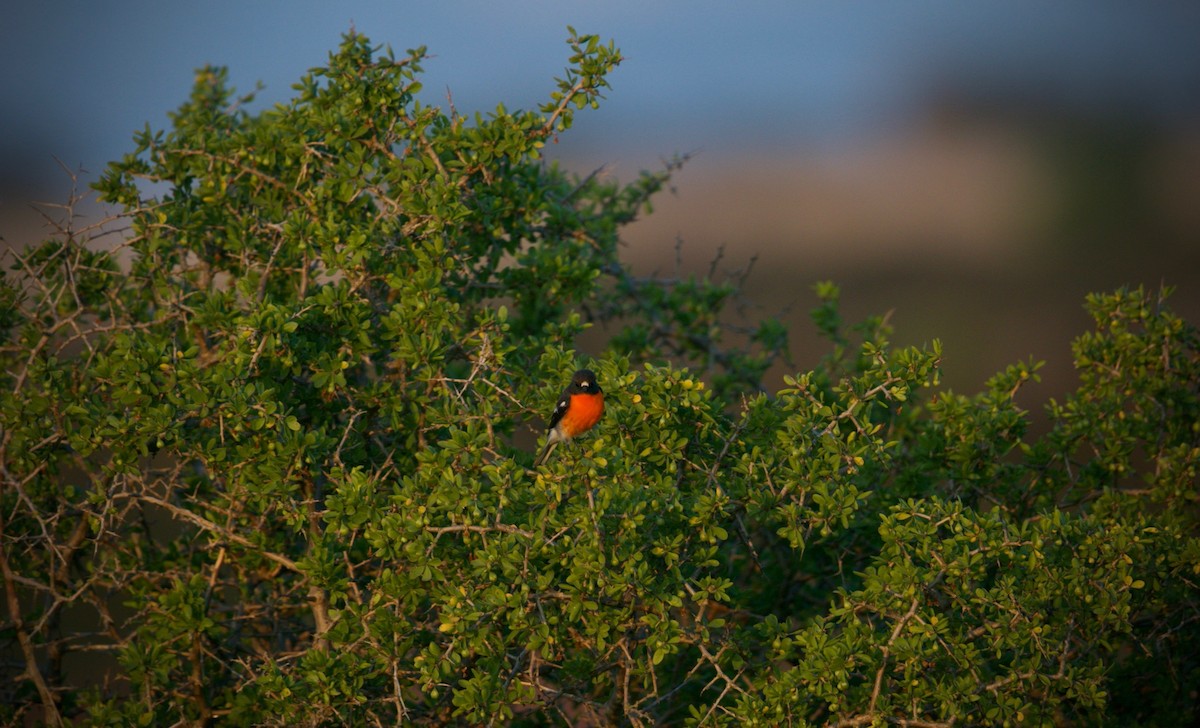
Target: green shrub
[(259, 461)]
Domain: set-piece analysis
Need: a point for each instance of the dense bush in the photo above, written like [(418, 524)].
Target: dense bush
[(259, 461)]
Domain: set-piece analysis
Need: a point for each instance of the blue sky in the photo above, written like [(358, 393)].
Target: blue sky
[(77, 78)]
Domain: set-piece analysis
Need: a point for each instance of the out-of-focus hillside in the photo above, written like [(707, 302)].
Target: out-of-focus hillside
[(985, 234)]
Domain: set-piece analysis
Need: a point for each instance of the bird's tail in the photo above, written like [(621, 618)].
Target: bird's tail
[(541, 458)]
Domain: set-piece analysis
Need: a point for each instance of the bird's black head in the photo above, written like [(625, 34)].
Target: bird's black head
[(584, 380)]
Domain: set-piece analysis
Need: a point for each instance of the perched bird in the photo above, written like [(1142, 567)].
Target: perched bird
[(578, 410)]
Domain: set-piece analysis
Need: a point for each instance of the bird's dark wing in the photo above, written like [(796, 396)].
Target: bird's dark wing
[(560, 409)]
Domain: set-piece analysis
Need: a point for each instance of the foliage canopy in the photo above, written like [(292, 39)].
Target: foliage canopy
[(259, 461)]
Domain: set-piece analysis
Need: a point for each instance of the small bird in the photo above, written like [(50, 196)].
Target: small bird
[(578, 410)]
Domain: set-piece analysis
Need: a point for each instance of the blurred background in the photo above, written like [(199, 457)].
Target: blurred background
[(973, 168)]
